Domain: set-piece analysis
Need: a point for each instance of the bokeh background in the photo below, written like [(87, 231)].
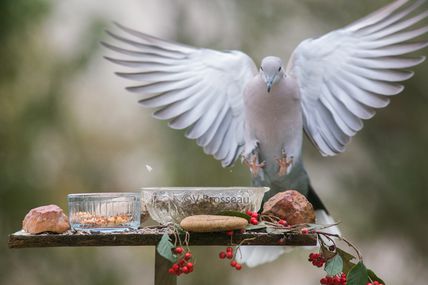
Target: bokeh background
[(67, 125)]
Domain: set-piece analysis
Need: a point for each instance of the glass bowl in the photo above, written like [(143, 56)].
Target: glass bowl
[(172, 204), (105, 212)]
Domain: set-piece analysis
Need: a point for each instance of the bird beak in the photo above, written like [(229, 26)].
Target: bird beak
[(269, 85)]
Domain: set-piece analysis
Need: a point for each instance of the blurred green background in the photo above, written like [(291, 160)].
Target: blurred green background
[(67, 125)]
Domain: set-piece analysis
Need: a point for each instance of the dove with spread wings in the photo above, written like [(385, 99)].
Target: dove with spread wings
[(235, 110)]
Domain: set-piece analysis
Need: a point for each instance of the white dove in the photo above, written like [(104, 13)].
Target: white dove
[(330, 85)]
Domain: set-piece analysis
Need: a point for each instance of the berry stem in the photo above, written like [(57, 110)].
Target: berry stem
[(328, 235)]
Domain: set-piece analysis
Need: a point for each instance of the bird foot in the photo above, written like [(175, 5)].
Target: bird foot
[(253, 164), (284, 163)]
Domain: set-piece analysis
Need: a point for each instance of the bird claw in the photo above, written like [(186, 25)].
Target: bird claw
[(284, 163), (253, 164)]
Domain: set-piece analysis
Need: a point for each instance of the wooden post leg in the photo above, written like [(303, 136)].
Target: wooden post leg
[(162, 277)]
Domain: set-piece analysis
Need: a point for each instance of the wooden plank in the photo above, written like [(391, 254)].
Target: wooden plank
[(161, 268), (147, 237)]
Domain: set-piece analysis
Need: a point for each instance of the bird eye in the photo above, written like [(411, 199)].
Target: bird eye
[(279, 69)]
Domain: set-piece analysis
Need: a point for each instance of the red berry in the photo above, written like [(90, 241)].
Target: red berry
[(238, 266), (282, 222), (229, 249), (187, 256), (181, 262), (375, 283), (249, 213), (229, 255), (316, 259), (175, 267), (369, 283), (323, 281), (255, 215), (233, 263), (185, 269), (229, 233), (222, 255), (254, 221), (304, 231), (189, 265), (178, 250), (171, 271), (336, 280)]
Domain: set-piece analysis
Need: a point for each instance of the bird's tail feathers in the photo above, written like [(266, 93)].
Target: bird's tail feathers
[(256, 255)]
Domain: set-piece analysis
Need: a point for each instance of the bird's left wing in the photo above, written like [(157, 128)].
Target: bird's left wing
[(345, 75), (193, 88)]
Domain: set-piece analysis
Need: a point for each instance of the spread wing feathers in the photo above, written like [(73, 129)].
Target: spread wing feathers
[(195, 89), (345, 75)]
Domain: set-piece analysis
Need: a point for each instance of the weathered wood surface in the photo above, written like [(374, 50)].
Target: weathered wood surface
[(151, 236)]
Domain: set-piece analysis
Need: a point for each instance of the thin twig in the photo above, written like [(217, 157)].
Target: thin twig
[(360, 257)]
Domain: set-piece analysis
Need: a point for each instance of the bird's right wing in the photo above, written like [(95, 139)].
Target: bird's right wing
[(345, 75), (194, 88)]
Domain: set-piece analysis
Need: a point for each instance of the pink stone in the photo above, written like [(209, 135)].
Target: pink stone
[(290, 206), (50, 218)]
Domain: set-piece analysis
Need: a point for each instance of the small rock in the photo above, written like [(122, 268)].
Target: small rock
[(290, 206), (50, 218), (212, 223)]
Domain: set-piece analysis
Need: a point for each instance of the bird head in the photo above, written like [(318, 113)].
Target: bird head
[(271, 71)]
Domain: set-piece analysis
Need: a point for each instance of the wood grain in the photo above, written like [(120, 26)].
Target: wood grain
[(150, 237)]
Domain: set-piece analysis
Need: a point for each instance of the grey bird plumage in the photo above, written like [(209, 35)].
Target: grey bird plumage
[(274, 124), (330, 85)]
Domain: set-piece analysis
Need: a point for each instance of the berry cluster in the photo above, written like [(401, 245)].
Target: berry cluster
[(254, 217), (229, 254), (334, 280), (374, 283), (183, 264), (317, 260)]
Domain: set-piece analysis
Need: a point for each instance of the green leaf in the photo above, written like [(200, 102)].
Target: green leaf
[(374, 277), (358, 275), (334, 265), (271, 230), (165, 247), (345, 255), (259, 226), (346, 258), (234, 214)]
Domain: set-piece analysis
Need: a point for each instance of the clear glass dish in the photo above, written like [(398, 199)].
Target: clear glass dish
[(172, 204), (105, 212)]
